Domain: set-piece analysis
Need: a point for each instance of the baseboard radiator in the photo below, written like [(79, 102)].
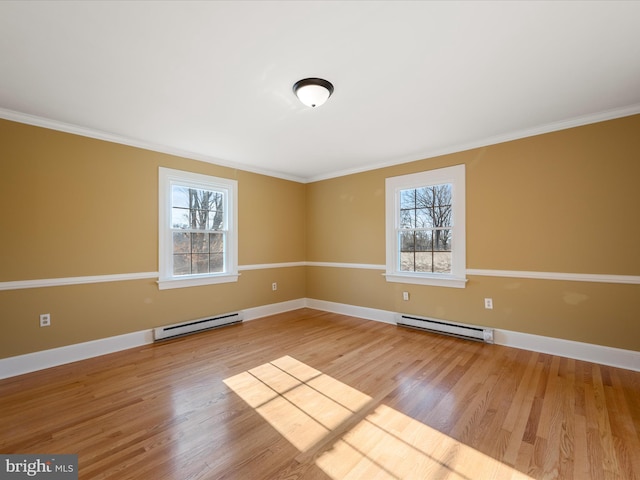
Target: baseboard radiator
[(460, 330), (192, 326)]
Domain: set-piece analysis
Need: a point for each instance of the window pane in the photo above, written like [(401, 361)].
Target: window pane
[(424, 218), (407, 218), (200, 263), (179, 196), (181, 242), (195, 208), (442, 194), (416, 262), (442, 216), (442, 255), (199, 243), (179, 218), (407, 262), (198, 219), (425, 251), (424, 197), (424, 241), (424, 262), (216, 262), (182, 264), (216, 242), (426, 246), (416, 251), (216, 201), (215, 220), (407, 241), (442, 240), (408, 199), (442, 262)]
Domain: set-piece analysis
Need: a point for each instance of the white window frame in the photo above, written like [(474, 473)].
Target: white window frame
[(455, 176), (169, 177)]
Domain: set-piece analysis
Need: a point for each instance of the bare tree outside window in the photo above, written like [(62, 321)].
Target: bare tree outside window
[(426, 229), (197, 220)]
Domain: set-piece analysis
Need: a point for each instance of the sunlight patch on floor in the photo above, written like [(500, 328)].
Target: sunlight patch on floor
[(305, 406), (301, 403), (388, 444)]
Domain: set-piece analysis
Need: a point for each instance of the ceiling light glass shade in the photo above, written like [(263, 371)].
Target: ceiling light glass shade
[(313, 92)]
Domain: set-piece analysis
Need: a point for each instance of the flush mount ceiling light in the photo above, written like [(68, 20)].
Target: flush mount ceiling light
[(313, 92)]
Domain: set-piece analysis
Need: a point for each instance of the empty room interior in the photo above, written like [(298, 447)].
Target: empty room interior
[(320, 240)]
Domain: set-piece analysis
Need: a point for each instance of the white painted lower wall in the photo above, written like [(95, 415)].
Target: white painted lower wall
[(21, 364)]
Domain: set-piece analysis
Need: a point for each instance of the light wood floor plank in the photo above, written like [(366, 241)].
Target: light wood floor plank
[(320, 396)]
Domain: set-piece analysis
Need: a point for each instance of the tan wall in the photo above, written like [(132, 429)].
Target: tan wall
[(563, 202), (75, 206)]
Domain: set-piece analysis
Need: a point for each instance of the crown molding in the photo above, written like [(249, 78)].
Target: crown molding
[(59, 126), (506, 137), (493, 140)]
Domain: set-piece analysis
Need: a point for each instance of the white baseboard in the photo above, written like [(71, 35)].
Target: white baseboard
[(31, 362), (352, 310), (273, 309), (614, 357)]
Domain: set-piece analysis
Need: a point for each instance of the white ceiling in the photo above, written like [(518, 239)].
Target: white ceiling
[(213, 80)]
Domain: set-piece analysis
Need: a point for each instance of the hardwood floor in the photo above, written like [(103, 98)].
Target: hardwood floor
[(316, 395)]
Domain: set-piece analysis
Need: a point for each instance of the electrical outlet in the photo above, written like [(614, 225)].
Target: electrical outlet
[(488, 303), (405, 296), (274, 286), (45, 320)]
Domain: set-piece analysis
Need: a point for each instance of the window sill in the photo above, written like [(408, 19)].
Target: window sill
[(196, 281), (432, 280)]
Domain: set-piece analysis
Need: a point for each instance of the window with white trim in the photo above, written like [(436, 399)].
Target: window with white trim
[(197, 229), (425, 228)]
